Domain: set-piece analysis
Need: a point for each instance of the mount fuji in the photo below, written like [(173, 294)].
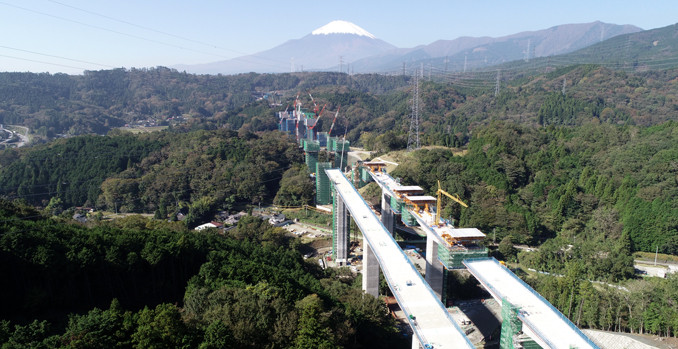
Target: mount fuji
[(323, 49)]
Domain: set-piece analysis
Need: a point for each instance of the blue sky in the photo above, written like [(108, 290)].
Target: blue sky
[(74, 35)]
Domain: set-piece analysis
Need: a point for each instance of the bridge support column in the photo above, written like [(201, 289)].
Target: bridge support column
[(341, 237), (434, 269), (387, 214), (415, 342), (370, 271)]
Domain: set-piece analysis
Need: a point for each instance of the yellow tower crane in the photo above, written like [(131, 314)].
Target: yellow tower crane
[(440, 192)]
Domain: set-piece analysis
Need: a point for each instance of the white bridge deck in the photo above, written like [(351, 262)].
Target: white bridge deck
[(433, 324), (541, 321)]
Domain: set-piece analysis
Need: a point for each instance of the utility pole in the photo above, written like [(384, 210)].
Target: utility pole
[(413, 137), (496, 86), (430, 68), (292, 65)]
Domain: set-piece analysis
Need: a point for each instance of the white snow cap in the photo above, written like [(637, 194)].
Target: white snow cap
[(342, 27)]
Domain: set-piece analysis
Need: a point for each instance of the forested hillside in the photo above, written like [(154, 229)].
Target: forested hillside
[(97, 101), (575, 183), (578, 161), (371, 105), (164, 173), (142, 283), (587, 196)]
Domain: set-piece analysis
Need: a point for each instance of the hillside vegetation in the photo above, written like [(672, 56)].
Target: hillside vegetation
[(145, 284), (579, 161)]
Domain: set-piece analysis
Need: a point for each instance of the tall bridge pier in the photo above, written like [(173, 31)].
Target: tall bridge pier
[(434, 269), (370, 271), (340, 229)]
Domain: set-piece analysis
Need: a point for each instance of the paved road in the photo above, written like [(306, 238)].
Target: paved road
[(23, 140)]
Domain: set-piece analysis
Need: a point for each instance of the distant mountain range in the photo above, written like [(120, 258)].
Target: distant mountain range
[(323, 49), (344, 46)]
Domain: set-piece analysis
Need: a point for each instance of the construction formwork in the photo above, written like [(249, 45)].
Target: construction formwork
[(452, 258), (510, 325), (396, 204), (511, 329), (322, 184), (341, 146), (365, 175), (408, 219), (311, 160), (311, 146), (528, 344), (322, 139), (356, 179)]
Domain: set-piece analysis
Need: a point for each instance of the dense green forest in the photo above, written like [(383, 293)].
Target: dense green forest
[(371, 105), (97, 101), (587, 197), (573, 183), (579, 161), (164, 173), (147, 284)]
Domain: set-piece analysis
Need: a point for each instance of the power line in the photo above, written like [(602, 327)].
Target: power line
[(146, 28), (278, 63), (55, 56), (43, 62), (207, 44), (109, 30)]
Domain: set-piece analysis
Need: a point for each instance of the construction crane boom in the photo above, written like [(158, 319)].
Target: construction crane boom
[(335, 119), (440, 192), (315, 105), (319, 115)]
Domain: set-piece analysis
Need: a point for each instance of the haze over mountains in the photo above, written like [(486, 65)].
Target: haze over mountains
[(344, 46)]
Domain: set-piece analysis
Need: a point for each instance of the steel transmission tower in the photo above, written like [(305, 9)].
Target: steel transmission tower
[(413, 137)]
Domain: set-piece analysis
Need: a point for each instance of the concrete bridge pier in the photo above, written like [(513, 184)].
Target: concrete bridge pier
[(370, 270), (415, 342), (341, 243), (434, 269), (387, 218)]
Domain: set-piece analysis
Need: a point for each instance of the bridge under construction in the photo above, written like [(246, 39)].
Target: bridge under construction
[(528, 320)]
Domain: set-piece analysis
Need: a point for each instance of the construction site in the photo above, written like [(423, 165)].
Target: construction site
[(528, 320)]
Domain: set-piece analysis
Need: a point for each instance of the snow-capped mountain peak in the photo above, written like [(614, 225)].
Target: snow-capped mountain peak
[(342, 27)]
